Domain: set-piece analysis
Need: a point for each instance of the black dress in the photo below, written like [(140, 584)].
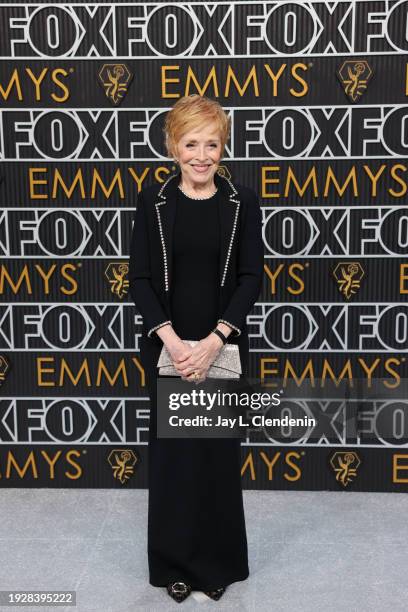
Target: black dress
[(196, 523)]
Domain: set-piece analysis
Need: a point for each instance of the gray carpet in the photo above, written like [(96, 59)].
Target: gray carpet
[(308, 551)]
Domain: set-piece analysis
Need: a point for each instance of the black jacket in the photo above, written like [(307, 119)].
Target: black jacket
[(241, 253)]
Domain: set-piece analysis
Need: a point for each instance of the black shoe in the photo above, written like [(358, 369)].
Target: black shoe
[(179, 591), (216, 593)]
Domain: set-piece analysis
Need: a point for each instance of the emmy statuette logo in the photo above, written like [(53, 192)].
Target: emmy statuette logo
[(4, 368), (122, 462), (223, 171), (115, 80), (116, 274), (354, 76), (345, 465), (348, 275)]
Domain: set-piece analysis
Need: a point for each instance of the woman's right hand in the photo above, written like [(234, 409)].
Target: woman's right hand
[(179, 351)]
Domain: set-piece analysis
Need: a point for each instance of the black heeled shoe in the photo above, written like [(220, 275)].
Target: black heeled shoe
[(216, 593), (179, 591)]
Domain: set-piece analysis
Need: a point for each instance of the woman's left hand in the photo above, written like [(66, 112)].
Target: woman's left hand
[(203, 355)]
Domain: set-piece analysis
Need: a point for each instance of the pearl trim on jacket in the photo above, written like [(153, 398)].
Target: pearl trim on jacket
[(153, 329)]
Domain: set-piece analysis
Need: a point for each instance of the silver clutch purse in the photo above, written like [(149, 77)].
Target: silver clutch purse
[(226, 365)]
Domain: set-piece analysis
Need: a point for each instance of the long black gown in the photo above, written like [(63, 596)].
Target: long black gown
[(196, 523)]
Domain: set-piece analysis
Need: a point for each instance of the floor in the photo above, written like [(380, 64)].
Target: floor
[(308, 551)]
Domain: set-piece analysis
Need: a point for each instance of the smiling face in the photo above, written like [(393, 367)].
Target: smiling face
[(199, 154)]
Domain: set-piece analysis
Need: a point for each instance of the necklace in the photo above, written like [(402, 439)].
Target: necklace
[(198, 197)]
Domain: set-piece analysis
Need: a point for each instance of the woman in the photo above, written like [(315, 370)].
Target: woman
[(196, 265)]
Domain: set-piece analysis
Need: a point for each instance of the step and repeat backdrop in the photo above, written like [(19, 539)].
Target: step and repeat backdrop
[(317, 93)]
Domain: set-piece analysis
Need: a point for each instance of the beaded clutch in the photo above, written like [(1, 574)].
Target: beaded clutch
[(226, 365)]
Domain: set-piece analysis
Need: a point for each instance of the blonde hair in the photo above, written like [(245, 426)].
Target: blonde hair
[(192, 112)]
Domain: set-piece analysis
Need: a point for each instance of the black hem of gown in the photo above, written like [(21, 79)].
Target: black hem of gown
[(194, 587)]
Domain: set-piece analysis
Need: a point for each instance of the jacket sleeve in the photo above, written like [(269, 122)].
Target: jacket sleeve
[(250, 268), (140, 287)]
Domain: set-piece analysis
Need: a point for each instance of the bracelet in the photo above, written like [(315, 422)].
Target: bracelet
[(220, 335)]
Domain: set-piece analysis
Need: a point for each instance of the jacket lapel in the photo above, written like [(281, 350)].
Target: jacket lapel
[(228, 209)]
